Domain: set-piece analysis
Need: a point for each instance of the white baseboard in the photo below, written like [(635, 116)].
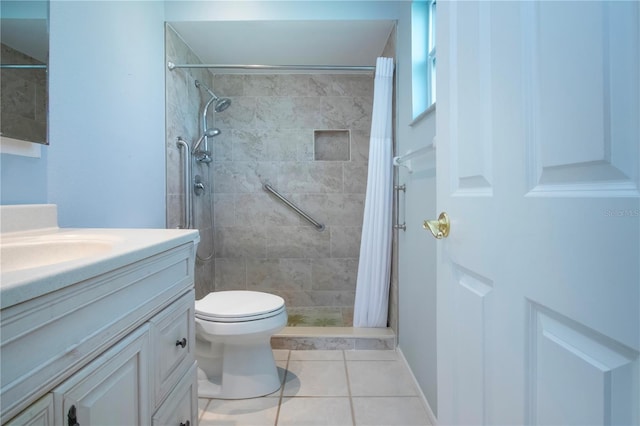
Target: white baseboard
[(432, 417)]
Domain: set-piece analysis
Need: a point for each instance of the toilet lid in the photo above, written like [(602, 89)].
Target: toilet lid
[(236, 306)]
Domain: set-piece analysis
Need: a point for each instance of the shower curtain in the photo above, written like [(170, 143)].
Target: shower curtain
[(374, 268)]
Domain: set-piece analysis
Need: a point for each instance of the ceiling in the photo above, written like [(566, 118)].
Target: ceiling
[(248, 42), (286, 42)]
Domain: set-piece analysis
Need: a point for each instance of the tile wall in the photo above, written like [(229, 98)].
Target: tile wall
[(184, 100), (268, 137)]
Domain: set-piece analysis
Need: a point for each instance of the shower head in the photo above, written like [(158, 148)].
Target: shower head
[(221, 103), (209, 133)]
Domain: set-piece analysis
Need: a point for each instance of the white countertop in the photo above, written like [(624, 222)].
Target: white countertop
[(121, 247)]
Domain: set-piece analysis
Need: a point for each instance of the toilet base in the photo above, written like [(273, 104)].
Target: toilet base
[(243, 371)]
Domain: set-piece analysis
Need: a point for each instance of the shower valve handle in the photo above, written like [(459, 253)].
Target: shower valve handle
[(198, 185)]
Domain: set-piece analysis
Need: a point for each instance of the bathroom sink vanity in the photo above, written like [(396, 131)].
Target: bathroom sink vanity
[(104, 335)]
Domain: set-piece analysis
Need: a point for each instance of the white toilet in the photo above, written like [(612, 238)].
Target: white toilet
[(233, 343)]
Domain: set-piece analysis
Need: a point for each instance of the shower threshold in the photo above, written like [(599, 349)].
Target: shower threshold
[(334, 338)]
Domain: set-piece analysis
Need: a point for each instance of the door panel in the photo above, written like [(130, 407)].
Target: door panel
[(577, 374), (473, 295), (472, 145), (581, 69)]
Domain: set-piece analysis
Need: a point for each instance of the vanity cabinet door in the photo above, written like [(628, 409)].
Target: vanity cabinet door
[(40, 413), (111, 390), (181, 407)]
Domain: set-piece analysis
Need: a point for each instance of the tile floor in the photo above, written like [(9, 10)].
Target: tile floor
[(328, 388)]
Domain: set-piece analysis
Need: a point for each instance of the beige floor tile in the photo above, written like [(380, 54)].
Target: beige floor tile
[(316, 393), (244, 412), (317, 355), (379, 378), (387, 411), (316, 378), (202, 404), (371, 355), (282, 371), (315, 412)]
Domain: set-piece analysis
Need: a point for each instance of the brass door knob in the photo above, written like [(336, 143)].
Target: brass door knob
[(439, 228)]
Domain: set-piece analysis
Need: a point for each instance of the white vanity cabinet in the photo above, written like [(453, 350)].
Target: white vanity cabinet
[(112, 349), (129, 382)]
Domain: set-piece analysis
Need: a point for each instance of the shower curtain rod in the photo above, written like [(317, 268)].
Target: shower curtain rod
[(173, 66)]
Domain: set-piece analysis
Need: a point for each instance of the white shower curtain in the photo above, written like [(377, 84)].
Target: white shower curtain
[(374, 269)]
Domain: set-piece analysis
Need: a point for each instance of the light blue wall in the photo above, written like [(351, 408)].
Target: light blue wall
[(23, 179), (417, 258), (106, 161)]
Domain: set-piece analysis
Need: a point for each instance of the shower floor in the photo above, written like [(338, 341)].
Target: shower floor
[(320, 317)]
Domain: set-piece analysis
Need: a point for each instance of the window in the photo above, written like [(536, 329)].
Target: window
[(423, 55)]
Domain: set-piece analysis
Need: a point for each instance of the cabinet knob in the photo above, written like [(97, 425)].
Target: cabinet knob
[(72, 420), (182, 343), (187, 423)]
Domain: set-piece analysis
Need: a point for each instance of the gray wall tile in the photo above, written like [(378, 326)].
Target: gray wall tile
[(278, 274), (268, 137), (334, 274)]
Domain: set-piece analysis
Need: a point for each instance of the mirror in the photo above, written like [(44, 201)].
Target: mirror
[(24, 53)]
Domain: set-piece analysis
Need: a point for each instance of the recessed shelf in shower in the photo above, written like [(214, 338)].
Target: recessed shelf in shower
[(331, 145)]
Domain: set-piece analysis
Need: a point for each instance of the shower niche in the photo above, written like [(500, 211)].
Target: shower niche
[(331, 145)]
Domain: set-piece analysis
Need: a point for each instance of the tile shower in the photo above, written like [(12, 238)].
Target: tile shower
[(307, 135)]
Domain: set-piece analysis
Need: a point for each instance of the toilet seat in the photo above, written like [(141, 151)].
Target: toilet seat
[(238, 306)]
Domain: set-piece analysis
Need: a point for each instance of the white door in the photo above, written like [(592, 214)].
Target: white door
[(538, 168)]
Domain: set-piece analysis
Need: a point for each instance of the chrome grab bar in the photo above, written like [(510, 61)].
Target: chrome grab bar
[(319, 226), (186, 169), (396, 196)]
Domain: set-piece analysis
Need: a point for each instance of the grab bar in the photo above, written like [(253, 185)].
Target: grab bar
[(396, 196), (319, 226), (186, 168)]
